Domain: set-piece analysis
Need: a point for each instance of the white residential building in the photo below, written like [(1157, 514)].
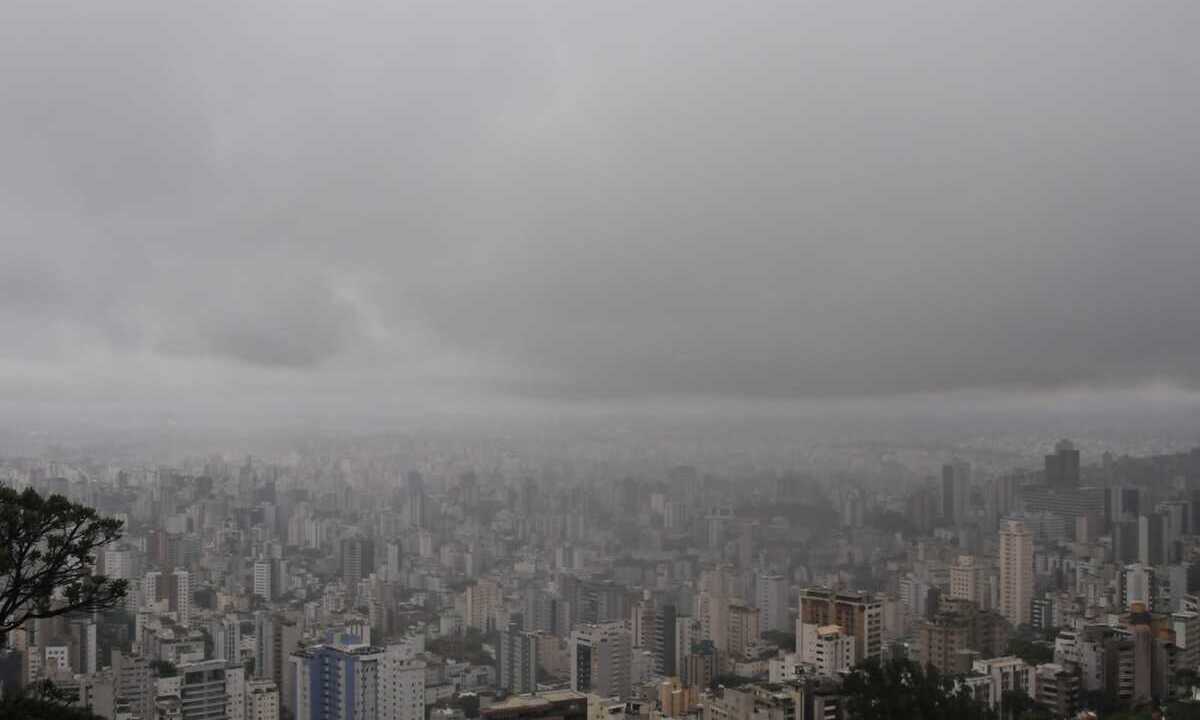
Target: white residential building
[(1016, 572), (183, 597), (262, 700), (1006, 674), (771, 599), (262, 579)]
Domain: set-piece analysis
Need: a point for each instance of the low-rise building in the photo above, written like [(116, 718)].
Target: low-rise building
[(555, 705)]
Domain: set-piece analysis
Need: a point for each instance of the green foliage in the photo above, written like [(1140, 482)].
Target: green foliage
[(731, 681), (785, 640), (1033, 652), (41, 701), (469, 704), (467, 646), (1183, 711), (473, 640), (48, 544), (1184, 678), (164, 669), (1017, 705), (1098, 701), (901, 690)]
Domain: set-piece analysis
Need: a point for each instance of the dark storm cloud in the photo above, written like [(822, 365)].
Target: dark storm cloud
[(577, 201)]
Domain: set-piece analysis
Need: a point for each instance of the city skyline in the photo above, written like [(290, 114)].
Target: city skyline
[(529, 360)]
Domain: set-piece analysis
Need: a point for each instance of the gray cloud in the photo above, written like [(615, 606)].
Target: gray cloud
[(559, 203), (271, 319)]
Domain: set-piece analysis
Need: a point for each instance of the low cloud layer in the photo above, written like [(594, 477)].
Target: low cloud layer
[(406, 205)]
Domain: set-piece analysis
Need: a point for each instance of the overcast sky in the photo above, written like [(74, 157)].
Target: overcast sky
[(284, 208)]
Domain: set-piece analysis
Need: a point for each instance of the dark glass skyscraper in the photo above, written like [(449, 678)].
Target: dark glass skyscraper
[(358, 559), (1062, 468)]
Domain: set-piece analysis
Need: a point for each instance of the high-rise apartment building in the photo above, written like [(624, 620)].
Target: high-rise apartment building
[(120, 562), (743, 629), (1057, 688), (262, 579), (402, 685), (483, 599), (203, 694), (262, 700), (265, 659), (182, 601), (700, 667), (226, 634), (1152, 539), (1122, 503), (357, 682), (711, 613), (276, 636), (416, 505), (1016, 572), (688, 634), (968, 581), (641, 623), (133, 685), (235, 692), (392, 561), (540, 610), (1002, 675), (1187, 637), (832, 650), (336, 682), (666, 646), (1000, 498), (1125, 538), (956, 487), (152, 582), (517, 663), (600, 659), (358, 559), (957, 634), (771, 599), (858, 614)]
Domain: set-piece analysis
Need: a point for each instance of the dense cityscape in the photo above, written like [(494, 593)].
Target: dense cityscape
[(352, 586)]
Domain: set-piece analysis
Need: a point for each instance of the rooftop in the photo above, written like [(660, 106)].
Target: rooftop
[(517, 702)]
